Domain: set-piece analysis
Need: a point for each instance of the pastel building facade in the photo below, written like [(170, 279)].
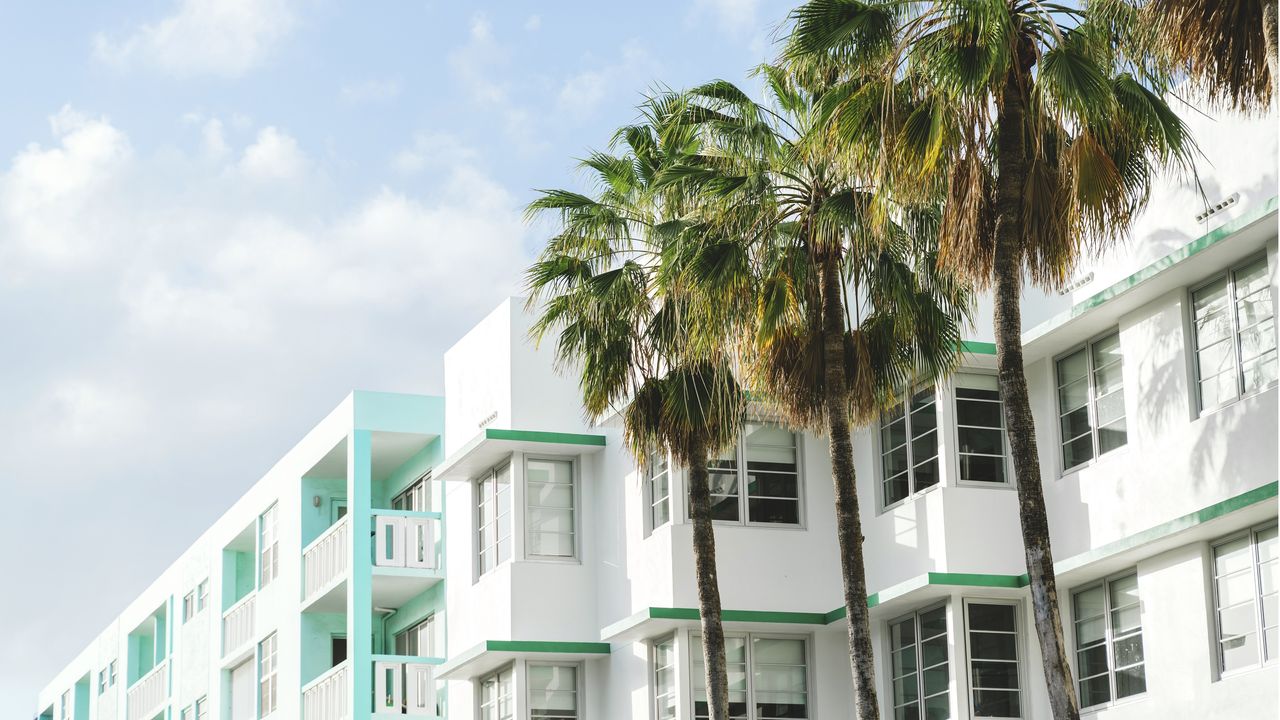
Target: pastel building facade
[(492, 555)]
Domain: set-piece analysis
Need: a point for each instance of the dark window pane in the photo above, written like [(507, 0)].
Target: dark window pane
[(991, 617), (1130, 681), (996, 703), (773, 511), (981, 468), (995, 674)]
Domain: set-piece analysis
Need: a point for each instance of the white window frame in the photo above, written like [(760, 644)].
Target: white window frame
[(1109, 637), (675, 668), (417, 492), (1194, 350), (268, 545), (576, 483), (645, 467), (268, 674), (914, 617), (740, 461), (578, 682), (878, 433), (954, 436), (1259, 622), (1019, 651), (1091, 404), (496, 676), (693, 643), (495, 521)]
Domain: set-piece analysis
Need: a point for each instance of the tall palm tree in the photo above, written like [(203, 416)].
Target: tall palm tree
[(1043, 139), (851, 305), (1227, 47), (611, 287)]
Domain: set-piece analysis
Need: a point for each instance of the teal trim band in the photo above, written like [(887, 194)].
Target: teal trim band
[(544, 437), (1177, 525), (976, 347), (547, 646)]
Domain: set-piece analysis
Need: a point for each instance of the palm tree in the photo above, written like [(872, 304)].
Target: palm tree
[(1228, 47), (611, 287), (812, 230), (1042, 138)]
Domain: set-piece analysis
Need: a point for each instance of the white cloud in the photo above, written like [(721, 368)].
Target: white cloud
[(634, 71), (203, 37), (370, 91), (273, 156), (52, 198)]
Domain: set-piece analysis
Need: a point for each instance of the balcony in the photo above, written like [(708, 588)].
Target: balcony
[(237, 625), (402, 686), (406, 559), (146, 697)]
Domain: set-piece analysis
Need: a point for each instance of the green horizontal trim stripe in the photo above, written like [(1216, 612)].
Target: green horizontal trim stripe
[(761, 616), (547, 646), (1163, 530), (544, 437), (976, 347)]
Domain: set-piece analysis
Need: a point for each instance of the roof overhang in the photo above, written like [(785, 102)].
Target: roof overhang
[(493, 654), (493, 444)]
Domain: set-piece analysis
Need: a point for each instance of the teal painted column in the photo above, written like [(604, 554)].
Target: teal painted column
[(360, 579)]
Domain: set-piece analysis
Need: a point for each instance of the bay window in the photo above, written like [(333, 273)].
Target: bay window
[(1235, 334), (757, 481), (909, 446), (1091, 411), (550, 516)]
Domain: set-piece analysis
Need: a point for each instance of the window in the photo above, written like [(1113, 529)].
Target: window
[(493, 518), (771, 477), (980, 429), (202, 595), (1235, 334), (1244, 584), (549, 508), (1091, 413), (495, 696), (657, 475), (267, 676), (189, 606), (417, 640), (777, 685), (268, 547), (202, 708), (416, 497), (919, 666), (553, 692), (993, 659), (1109, 658), (909, 447), (664, 679)]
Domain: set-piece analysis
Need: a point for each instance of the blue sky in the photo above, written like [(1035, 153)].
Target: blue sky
[(219, 216)]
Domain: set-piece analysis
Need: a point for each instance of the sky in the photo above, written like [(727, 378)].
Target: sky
[(218, 217)]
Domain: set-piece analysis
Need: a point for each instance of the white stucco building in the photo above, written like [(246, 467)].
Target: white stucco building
[(489, 554)]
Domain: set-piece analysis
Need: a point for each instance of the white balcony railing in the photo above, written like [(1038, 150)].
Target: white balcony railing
[(406, 688), (325, 558), (146, 697), (237, 624), (406, 540), (326, 697)]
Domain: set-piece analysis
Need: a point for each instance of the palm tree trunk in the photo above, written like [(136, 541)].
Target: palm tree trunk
[(704, 563), (1012, 168), (1269, 39), (848, 521)]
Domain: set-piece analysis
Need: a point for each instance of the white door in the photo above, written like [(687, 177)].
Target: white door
[(242, 705)]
